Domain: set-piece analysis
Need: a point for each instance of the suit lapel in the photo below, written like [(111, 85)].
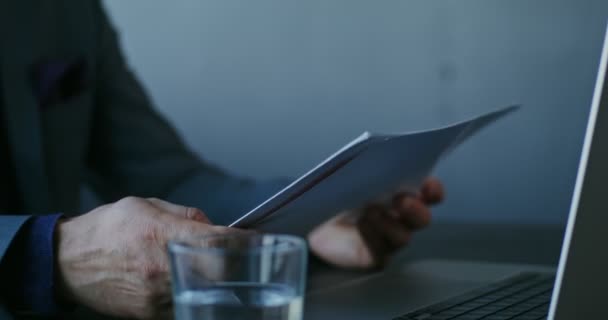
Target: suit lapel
[(20, 106)]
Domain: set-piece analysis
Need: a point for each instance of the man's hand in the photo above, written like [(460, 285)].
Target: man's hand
[(113, 259), (369, 237)]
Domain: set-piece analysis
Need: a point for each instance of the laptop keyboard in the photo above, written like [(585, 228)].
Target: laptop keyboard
[(523, 297)]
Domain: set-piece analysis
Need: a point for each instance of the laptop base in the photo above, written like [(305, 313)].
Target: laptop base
[(403, 289)]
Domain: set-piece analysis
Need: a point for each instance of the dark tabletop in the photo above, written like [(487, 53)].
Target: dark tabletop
[(512, 243)]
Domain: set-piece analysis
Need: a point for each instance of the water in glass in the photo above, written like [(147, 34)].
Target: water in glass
[(255, 301)]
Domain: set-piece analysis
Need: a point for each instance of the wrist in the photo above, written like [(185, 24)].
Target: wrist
[(61, 246)]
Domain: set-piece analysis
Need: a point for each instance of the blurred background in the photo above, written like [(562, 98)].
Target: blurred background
[(269, 88)]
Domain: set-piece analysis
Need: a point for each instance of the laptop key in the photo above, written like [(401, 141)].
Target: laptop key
[(524, 297)]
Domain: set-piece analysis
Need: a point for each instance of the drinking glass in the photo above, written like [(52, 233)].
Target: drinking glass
[(238, 276)]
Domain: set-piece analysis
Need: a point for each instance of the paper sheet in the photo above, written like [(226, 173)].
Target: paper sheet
[(367, 168)]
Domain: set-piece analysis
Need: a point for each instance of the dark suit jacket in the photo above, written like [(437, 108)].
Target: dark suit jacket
[(104, 132)]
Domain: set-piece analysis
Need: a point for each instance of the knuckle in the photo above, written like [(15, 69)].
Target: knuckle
[(127, 203), (192, 213), (129, 199)]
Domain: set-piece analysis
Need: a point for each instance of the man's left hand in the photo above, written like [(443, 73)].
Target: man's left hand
[(367, 238)]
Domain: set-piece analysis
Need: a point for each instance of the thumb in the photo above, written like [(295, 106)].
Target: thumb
[(189, 213)]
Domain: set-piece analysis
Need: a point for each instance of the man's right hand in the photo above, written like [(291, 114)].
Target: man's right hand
[(114, 258)]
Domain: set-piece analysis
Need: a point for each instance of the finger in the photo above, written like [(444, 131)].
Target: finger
[(189, 213), (395, 233), (381, 233), (374, 243), (191, 231), (411, 212), (213, 267), (432, 191), (339, 242)]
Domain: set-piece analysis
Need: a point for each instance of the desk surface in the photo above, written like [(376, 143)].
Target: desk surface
[(527, 244)]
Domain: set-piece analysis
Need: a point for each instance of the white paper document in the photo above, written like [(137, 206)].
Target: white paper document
[(366, 169)]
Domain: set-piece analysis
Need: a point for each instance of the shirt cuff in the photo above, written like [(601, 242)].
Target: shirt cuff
[(30, 259)]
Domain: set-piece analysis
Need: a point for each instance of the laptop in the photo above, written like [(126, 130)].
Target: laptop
[(442, 290)]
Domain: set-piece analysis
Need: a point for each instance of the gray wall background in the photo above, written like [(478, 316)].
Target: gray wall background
[(270, 87)]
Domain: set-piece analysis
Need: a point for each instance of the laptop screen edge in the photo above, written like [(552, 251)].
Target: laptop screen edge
[(595, 105)]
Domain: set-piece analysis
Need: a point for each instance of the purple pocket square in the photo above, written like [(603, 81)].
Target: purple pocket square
[(55, 81)]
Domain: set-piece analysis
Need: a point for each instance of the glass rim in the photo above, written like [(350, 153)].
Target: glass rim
[(295, 243)]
